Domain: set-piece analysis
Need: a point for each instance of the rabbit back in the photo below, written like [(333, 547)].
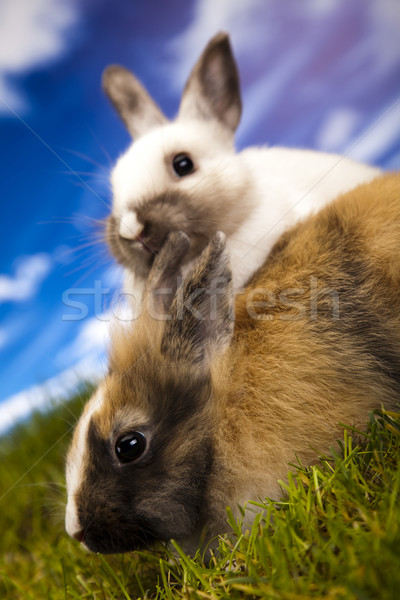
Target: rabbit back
[(317, 334)]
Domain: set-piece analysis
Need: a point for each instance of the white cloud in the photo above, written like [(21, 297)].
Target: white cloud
[(113, 277), (32, 32), (88, 355), (320, 7), (62, 386), (92, 339), (385, 15), (337, 129), (30, 273), (382, 135), (265, 93), (10, 98)]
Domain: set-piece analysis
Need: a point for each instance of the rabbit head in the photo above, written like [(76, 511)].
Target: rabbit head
[(182, 175), (185, 175), (141, 459)]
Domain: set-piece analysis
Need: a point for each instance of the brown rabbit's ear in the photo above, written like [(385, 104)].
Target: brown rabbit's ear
[(213, 89), (136, 108), (201, 315), (165, 275)]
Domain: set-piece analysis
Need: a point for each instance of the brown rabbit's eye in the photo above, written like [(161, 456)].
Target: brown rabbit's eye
[(183, 165), (130, 447)]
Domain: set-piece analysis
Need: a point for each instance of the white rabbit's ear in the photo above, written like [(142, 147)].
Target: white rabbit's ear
[(201, 316), (165, 275), (136, 108), (213, 90)]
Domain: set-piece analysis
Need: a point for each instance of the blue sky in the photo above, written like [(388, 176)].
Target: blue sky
[(321, 74)]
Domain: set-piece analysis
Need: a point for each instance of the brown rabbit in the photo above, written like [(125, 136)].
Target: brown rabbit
[(196, 415)]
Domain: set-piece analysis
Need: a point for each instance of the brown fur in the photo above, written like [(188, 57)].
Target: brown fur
[(177, 211), (292, 382), (231, 420)]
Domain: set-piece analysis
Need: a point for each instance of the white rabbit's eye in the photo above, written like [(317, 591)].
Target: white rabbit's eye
[(183, 165), (130, 447)]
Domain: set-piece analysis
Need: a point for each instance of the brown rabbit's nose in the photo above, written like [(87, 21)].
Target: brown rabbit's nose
[(79, 535)]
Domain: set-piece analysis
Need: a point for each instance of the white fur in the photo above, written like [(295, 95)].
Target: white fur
[(129, 227), (289, 184), (78, 455), (145, 169), (76, 462)]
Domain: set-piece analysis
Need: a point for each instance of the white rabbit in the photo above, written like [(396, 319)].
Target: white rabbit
[(185, 175), (194, 415)]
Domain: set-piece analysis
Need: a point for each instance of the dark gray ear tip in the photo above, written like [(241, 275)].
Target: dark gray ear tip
[(174, 249), (167, 264), (219, 44), (216, 249), (222, 37), (113, 74), (179, 239), (219, 240)]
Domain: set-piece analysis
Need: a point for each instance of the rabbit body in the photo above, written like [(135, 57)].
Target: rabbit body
[(223, 406), (252, 196)]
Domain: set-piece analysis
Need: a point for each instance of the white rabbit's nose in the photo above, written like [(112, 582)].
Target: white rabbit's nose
[(129, 226)]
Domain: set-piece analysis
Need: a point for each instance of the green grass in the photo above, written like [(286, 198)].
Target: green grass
[(335, 535)]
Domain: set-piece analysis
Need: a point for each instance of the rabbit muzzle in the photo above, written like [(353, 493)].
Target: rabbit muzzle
[(136, 237)]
